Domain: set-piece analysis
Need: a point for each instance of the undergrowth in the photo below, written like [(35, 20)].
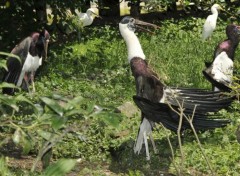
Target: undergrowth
[(96, 68)]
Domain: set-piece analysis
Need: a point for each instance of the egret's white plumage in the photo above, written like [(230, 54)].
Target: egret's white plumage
[(211, 21), (86, 19)]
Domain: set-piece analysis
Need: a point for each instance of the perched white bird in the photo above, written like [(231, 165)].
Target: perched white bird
[(211, 21), (87, 18)]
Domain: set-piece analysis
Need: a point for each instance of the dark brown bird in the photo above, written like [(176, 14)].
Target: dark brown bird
[(31, 51), (153, 97), (220, 71)]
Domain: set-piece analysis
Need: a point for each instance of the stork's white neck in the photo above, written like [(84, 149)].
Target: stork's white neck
[(133, 45)]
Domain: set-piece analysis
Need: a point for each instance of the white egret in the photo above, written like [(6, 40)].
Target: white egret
[(211, 21), (86, 19)]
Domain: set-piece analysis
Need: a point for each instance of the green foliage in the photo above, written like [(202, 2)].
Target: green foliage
[(62, 167), (80, 86)]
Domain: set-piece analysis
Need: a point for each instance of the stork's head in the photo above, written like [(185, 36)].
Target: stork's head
[(233, 32), (92, 12), (129, 24), (41, 43)]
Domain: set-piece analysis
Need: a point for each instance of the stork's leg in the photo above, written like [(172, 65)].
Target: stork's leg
[(32, 80), (146, 145), (153, 143), (26, 82)]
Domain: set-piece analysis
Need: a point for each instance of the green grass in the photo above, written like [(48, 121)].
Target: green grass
[(98, 70)]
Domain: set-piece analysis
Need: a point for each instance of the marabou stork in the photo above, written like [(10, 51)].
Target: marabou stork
[(211, 21), (31, 51), (220, 71), (153, 97)]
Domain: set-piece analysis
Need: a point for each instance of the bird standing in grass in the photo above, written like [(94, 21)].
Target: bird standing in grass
[(154, 98), (211, 21), (31, 52), (86, 19), (220, 71)]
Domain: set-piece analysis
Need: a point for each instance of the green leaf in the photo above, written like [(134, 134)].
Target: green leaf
[(10, 55), (60, 168), (9, 101), (44, 134), (21, 98), (17, 136), (58, 122), (53, 105), (8, 85), (3, 64), (110, 118), (26, 143)]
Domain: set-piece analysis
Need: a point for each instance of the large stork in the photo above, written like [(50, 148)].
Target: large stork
[(31, 51), (220, 71), (150, 91)]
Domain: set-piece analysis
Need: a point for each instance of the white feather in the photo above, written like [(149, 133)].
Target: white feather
[(31, 64), (210, 23), (86, 19), (144, 130), (223, 68)]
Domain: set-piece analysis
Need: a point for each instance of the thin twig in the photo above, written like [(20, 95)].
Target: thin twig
[(198, 141)]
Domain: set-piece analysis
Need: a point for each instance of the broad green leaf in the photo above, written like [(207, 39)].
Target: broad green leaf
[(21, 98), (8, 85), (46, 158), (60, 168), (58, 122), (9, 101), (109, 118), (53, 105), (17, 136), (10, 55), (73, 112), (74, 102), (44, 134), (26, 143), (3, 64)]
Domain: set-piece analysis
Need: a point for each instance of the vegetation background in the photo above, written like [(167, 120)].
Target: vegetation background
[(73, 120)]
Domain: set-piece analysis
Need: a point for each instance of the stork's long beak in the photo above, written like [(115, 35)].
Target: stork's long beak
[(238, 27), (140, 23), (46, 49)]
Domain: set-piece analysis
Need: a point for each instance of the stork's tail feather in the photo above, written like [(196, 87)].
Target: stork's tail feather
[(146, 128), (10, 77), (163, 113)]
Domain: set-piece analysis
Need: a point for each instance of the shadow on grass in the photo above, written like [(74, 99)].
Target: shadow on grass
[(125, 161)]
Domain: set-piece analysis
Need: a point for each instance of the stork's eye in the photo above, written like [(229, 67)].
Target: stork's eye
[(132, 20)]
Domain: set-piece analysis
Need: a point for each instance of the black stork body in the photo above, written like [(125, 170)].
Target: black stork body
[(152, 93), (31, 51), (220, 71)]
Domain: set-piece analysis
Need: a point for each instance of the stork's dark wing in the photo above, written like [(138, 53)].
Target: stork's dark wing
[(14, 66), (209, 101), (162, 113)]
